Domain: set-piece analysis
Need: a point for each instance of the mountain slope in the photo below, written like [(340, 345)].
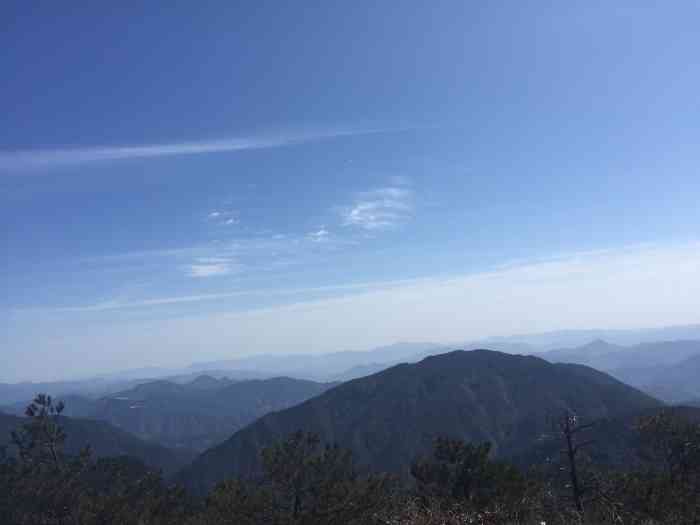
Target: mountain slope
[(676, 383), (105, 441), (388, 418), (664, 369)]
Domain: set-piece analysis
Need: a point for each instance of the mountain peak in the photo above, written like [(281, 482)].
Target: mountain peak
[(388, 418), (206, 381), (597, 343)]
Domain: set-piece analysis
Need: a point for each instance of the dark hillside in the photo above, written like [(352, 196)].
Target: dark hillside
[(105, 441), (388, 418)]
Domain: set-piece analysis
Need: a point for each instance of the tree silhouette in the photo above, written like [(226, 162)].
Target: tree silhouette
[(464, 472), (40, 441), (570, 427), (314, 483)]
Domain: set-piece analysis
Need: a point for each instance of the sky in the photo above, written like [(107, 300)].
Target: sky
[(186, 183)]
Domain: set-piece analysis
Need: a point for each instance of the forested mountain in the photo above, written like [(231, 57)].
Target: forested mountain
[(388, 418), (105, 441)]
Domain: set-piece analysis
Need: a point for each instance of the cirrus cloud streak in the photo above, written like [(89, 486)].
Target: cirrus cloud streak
[(47, 158)]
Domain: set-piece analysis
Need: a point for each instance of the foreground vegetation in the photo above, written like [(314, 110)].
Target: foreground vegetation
[(307, 482)]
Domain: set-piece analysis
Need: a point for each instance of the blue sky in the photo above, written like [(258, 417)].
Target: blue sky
[(182, 184)]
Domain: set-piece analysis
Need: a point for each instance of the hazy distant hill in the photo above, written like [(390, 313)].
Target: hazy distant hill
[(390, 417), (338, 365), (208, 382), (576, 338), (346, 365), (604, 355), (362, 371), (676, 383), (324, 367), (202, 413), (11, 393), (665, 369), (195, 415), (96, 387), (105, 441)]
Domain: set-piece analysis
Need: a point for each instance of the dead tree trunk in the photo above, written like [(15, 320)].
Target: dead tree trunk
[(569, 427)]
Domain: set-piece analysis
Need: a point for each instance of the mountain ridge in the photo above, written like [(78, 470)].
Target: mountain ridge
[(388, 418), (664, 369)]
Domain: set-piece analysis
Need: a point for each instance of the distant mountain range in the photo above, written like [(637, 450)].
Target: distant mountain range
[(97, 387), (668, 370), (388, 418), (324, 367), (105, 440), (200, 407), (574, 338), (11, 393), (337, 366), (195, 415)]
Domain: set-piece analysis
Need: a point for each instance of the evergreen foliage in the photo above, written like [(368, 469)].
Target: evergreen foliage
[(307, 482)]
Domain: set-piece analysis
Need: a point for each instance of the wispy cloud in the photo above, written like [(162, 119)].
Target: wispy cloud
[(212, 267), (245, 254), (224, 217), (378, 209), (650, 285), (319, 235), (47, 158), (631, 288), (125, 304), (209, 270)]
